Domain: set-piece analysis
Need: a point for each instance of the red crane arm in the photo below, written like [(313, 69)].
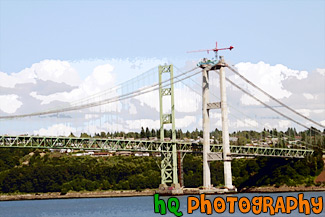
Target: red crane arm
[(214, 49)]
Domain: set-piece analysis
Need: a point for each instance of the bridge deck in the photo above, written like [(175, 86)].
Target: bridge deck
[(104, 144)]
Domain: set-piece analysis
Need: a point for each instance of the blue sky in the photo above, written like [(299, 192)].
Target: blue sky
[(286, 32), (56, 52)]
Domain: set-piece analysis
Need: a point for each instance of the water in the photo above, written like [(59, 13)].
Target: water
[(122, 207)]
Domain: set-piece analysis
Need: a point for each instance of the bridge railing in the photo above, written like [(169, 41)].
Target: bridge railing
[(264, 151)]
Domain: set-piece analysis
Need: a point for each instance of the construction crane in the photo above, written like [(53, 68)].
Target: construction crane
[(205, 61)]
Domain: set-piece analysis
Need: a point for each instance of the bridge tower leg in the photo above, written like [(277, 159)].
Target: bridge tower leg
[(169, 157), (206, 106), (206, 129), (225, 132)]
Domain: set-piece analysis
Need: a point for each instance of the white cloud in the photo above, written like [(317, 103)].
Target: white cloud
[(185, 100), (130, 67), (132, 109), (111, 126), (137, 124), (56, 130), (267, 77), (200, 122), (150, 99), (319, 111), (245, 123), (46, 70), (283, 124), (10, 80), (214, 114), (185, 121), (278, 124), (111, 107), (57, 71), (100, 79), (248, 100), (293, 87), (91, 116), (305, 112), (321, 71), (309, 96), (268, 126), (9, 103)]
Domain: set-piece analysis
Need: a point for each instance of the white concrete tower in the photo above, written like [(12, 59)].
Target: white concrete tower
[(206, 128), (225, 131)]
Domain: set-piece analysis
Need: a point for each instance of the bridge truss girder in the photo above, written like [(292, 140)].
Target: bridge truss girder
[(103, 144)]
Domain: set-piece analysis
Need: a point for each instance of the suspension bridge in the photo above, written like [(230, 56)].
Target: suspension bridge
[(103, 110)]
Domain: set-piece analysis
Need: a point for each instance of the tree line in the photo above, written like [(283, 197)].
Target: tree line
[(312, 137), (32, 171)]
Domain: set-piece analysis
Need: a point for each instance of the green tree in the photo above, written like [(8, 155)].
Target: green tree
[(148, 133), (142, 133)]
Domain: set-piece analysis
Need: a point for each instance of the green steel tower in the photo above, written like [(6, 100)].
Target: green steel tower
[(169, 157)]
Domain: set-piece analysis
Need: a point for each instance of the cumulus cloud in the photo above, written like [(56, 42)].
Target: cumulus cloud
[(283, 124), (185, 121), (57, 71), (309, 96), (214, 114), (279, 124), (137, 124), (305, 112), (321, 71), (10, 80), (245, 123), (248, 100), (46, 70), (56, 130), (91, 116), (267, 77), (185, 101), (100, 79), (132, 109), (9, 103), (72, 81)]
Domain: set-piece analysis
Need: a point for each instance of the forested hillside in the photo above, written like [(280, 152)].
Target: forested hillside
[(25, 170)]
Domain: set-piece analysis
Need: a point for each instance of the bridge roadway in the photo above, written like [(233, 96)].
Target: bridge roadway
[(104, 144)]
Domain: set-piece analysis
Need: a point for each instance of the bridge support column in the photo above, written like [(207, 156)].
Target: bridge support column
[(225, 132), (206, 129), (206, 106), (169, 160), (180, 168)]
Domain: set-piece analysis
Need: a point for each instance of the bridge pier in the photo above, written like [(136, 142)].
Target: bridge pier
[(169, 174), (180, 168), (225, 131), (206, 129), (206, 106)]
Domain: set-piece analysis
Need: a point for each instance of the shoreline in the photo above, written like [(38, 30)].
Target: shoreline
[(147, 192), (76, 195), (282, 189)]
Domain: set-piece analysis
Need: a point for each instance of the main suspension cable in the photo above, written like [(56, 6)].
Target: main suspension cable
[(278, 101), (270, 107), (106, 101)]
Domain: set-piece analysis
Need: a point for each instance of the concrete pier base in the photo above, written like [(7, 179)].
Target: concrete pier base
[(217, 190), (174, 189)]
